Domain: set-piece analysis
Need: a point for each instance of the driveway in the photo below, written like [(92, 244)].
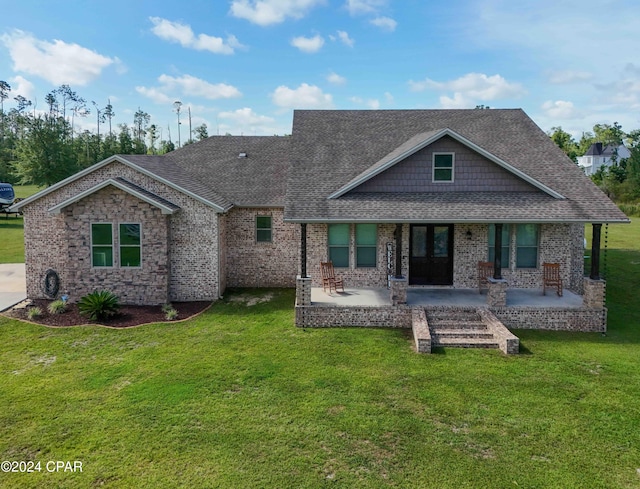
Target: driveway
[(13, 285)]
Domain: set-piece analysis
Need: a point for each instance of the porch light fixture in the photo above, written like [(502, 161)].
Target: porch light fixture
[(469, 234), (243, 155)]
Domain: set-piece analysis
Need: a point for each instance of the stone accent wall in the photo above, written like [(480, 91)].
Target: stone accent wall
[(148, 284), (497, 293), (303, 291), (362, 316), (421, 333), (559, 319), (250, 263), (594, 293), (472, 172), (192, 235)]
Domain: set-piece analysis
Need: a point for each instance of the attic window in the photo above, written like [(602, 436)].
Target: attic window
[(443, 167), (243, 155)]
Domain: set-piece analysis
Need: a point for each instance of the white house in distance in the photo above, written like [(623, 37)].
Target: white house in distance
[(598, 155)]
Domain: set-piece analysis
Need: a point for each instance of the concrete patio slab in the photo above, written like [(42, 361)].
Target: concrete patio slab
[(443, 296), (13, 284)]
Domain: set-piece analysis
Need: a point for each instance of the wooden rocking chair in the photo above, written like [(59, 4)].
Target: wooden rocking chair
[(485, 270), (551, 277), (329, 279)]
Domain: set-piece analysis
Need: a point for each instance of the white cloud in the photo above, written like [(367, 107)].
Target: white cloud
[(385, 23), (22, 86), (569, 76), (305, 96), (184, 35), (336, 79), (57, 62), (156, 94), (247, 117), (560, 109), (308, 44), (470, 88), (371, 103), (344, 38), (189, 86), (267, 12), (358, 7)]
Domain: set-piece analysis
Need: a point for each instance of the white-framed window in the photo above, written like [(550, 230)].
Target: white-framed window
[(338, 241), (130, 245), (527, 239), (366, 245), (101, 244), (443, 167), (264, 229)]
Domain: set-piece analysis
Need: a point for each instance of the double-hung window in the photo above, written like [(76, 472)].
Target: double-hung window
[(506, 240), (339, 244), (264, 230), (101, 245), (366, 245), (130, 253), (527, 245), (443, 167)]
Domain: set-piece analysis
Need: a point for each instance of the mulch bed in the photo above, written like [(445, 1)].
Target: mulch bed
[(127, 316)]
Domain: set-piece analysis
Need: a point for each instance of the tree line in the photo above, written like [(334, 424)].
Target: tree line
[(44, 147)]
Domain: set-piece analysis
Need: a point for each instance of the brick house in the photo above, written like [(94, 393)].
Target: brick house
[(445, 188)]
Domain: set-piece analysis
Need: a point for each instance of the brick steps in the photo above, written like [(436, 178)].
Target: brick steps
[(461, 328), (465, 342)]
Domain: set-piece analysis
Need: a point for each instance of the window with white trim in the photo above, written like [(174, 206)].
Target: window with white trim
[(101, 244), (338, 240), (443, 164), (130, 245), (366, 245), (264, 229), (527, 245)]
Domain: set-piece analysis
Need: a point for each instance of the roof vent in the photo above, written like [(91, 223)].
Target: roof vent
[(243, 155)]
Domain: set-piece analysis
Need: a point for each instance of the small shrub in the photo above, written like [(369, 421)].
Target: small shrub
[(34, 313), (99, 305), (170, 314), (57, 307), (166, 307)]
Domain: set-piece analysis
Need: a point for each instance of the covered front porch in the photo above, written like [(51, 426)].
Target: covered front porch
[(442, 296)]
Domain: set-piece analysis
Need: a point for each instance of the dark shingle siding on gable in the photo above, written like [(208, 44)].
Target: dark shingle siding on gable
[(472, 172)]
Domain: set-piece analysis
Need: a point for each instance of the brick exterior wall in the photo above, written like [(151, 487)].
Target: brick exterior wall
[(562, 243), (472, 172), (560, 319), (250, 263), (148, 284), (192, 238)]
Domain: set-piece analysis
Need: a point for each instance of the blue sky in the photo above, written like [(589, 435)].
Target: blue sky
[(243, 65)]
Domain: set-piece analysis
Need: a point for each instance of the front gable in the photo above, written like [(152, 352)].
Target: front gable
[(427, 170), (470, 168)]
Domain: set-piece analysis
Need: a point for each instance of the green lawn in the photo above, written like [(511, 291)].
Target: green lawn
[(240, 398), (11, 229)]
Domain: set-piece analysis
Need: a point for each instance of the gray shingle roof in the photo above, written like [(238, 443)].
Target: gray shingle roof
[(212, 169), (331, 148)]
